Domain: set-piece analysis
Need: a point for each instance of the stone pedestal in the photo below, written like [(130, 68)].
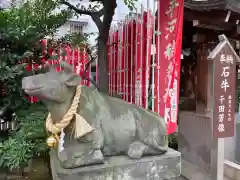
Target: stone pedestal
[(164, 167)]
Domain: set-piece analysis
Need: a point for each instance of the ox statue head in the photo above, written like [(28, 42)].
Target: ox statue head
[(52, 86)]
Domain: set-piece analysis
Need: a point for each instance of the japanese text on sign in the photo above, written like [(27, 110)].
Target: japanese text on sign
[(225, 74), (224, 90), (171, 90), (229, 108), (221, 109), (168, 54), (226, 59)]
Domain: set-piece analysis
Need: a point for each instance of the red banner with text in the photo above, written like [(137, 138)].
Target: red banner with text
[(168, 59)]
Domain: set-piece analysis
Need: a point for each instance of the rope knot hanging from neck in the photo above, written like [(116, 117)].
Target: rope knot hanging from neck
[(81, 126)]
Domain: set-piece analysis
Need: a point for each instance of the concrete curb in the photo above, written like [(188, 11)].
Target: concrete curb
[(191, 172), (231, 170)]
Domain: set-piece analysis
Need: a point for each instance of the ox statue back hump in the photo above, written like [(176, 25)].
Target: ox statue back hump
[(118, 126)]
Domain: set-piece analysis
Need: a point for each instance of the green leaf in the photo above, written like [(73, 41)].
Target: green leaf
[(21, 28)]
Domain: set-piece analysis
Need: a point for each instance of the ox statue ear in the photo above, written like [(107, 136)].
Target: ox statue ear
[(72, 80), (50, 67), (67, 68)]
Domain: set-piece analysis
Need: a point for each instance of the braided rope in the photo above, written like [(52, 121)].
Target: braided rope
[(57, 127)]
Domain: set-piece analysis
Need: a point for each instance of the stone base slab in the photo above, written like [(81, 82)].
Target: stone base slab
[(192, 172), (163, 167), (231, 170)]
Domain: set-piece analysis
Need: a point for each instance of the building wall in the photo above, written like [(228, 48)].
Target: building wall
[(6, 3), (89, 25)]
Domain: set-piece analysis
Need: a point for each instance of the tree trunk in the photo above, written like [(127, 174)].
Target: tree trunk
[(102, 66), (109, 9)]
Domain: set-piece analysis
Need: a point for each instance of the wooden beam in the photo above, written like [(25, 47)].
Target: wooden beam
[(214, 15), (231, 34), (215, 25), (203, 15), (215, 20)]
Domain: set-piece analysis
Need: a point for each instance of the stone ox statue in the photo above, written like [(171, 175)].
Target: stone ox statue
[(118, 127)]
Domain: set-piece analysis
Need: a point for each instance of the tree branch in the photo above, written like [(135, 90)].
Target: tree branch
[(97, 21), (87, 67), (107, 19), (96, 18), (97, 1), (77, 10), (100, 13), (95, 15)]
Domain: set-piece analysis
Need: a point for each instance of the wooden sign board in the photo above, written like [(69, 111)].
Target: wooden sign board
[(224, 88)]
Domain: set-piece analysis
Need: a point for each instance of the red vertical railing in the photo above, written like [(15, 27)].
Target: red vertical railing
[(139, 71)]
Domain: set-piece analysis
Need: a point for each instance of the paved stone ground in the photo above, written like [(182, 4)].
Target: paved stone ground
[(39, 171), (183, 178), (44, 177)]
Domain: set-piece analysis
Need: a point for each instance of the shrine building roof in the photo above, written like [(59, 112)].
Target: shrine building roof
[(205, 5)]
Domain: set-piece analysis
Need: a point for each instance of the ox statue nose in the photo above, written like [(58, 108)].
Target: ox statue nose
[(27, 83), (24, 83)]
